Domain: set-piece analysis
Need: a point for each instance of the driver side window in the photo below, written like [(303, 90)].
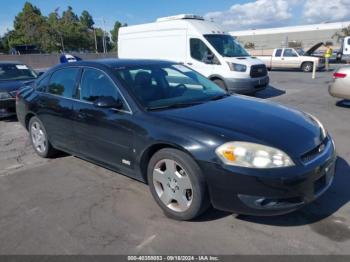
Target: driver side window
[(200, 51)]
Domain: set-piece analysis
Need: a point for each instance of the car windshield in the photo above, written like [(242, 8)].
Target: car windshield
[(13, 72), (167, 86), (226, 46), (300, 51)]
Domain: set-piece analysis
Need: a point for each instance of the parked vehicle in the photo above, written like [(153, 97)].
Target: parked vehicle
[(13, 75), (340, 87), (167, 125), (24, 50), (344, 53), (201, 45), (290, 58)]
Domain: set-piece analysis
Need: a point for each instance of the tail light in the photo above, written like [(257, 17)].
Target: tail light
[(339, 75)]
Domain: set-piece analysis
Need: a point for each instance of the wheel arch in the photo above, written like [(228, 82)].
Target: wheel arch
[(151, 150), (27, 119)]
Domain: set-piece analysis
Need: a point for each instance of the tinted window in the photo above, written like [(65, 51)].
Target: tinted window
[(200, 51), (42, 84), (95, 84), (62, 82), (278, 52), (289, 53)]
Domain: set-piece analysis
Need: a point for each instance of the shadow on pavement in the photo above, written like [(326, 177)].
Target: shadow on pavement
[(269, 92), (9, 119), (343, 103), (321, 211)]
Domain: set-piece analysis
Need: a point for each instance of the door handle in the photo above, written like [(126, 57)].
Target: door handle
[(189, 63), (82, 114)]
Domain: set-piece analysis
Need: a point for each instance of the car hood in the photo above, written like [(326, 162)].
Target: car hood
[(246, 60), (9, 86), (257, 120), (310, 51)]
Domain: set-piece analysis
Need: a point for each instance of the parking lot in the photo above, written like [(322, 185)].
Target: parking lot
[(69, 206)]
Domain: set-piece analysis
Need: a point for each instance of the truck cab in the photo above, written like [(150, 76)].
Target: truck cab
[(199, 44)]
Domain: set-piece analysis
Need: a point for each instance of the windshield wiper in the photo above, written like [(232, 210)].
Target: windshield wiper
[(175, 105), (218, 97)]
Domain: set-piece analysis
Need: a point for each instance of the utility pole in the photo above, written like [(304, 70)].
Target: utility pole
[(104, 36), (95, 40)]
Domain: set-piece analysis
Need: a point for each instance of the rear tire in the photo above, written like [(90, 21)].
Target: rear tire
[(39, 138), (221, 84), (307, 67), (177, 184)]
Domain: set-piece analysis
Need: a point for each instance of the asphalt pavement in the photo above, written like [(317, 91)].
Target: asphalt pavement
[(69, 206)]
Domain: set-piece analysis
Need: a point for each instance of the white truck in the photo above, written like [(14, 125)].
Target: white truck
[(290, 58), (199, 44), (344, 52)]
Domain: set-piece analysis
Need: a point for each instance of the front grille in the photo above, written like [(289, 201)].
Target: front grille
[(312, 154), (8, 103), (258, 71)]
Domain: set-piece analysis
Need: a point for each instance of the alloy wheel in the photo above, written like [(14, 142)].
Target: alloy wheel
[(38, 137), (173, 185)]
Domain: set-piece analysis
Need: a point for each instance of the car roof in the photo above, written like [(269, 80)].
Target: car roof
[(117, 63)]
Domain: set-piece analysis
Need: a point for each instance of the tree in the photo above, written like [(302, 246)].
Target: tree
[(343, 33), (30, 27), (249, 45), (86, 19), (115, 33)]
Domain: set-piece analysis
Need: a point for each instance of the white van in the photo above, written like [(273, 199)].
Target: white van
[(199, 44)]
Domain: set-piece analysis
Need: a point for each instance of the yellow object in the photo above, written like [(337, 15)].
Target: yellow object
[(328, 52)]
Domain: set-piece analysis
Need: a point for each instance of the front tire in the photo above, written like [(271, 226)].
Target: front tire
[(39, 138), (177, 184), (307, 67)]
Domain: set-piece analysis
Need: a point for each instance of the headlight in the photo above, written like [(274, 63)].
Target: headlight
[(323, 129), (4, 95), (252, 155), (237, 67)]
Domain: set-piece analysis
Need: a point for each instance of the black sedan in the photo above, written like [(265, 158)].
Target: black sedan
[(166, 125), (13, 75)]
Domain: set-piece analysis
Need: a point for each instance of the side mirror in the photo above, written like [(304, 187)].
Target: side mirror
[(108, 102)]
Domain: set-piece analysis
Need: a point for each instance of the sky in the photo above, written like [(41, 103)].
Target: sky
[(231, 14)]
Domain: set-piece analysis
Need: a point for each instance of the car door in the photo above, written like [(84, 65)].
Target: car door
[(290, 58), (201, 58), (55, 107), (104, 135), (277, 58)]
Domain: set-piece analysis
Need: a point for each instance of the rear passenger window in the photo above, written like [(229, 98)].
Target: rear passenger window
[(95, 84), (278, 53), (42, 84), (62, 82)]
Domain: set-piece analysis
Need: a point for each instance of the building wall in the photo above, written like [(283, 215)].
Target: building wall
[(307, 38), (42, 61)]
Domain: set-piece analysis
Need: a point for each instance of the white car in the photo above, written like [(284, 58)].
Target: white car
[(199, 44)]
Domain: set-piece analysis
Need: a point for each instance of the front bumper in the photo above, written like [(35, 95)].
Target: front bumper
[(247, 85), (7, 107), (271, 191)]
